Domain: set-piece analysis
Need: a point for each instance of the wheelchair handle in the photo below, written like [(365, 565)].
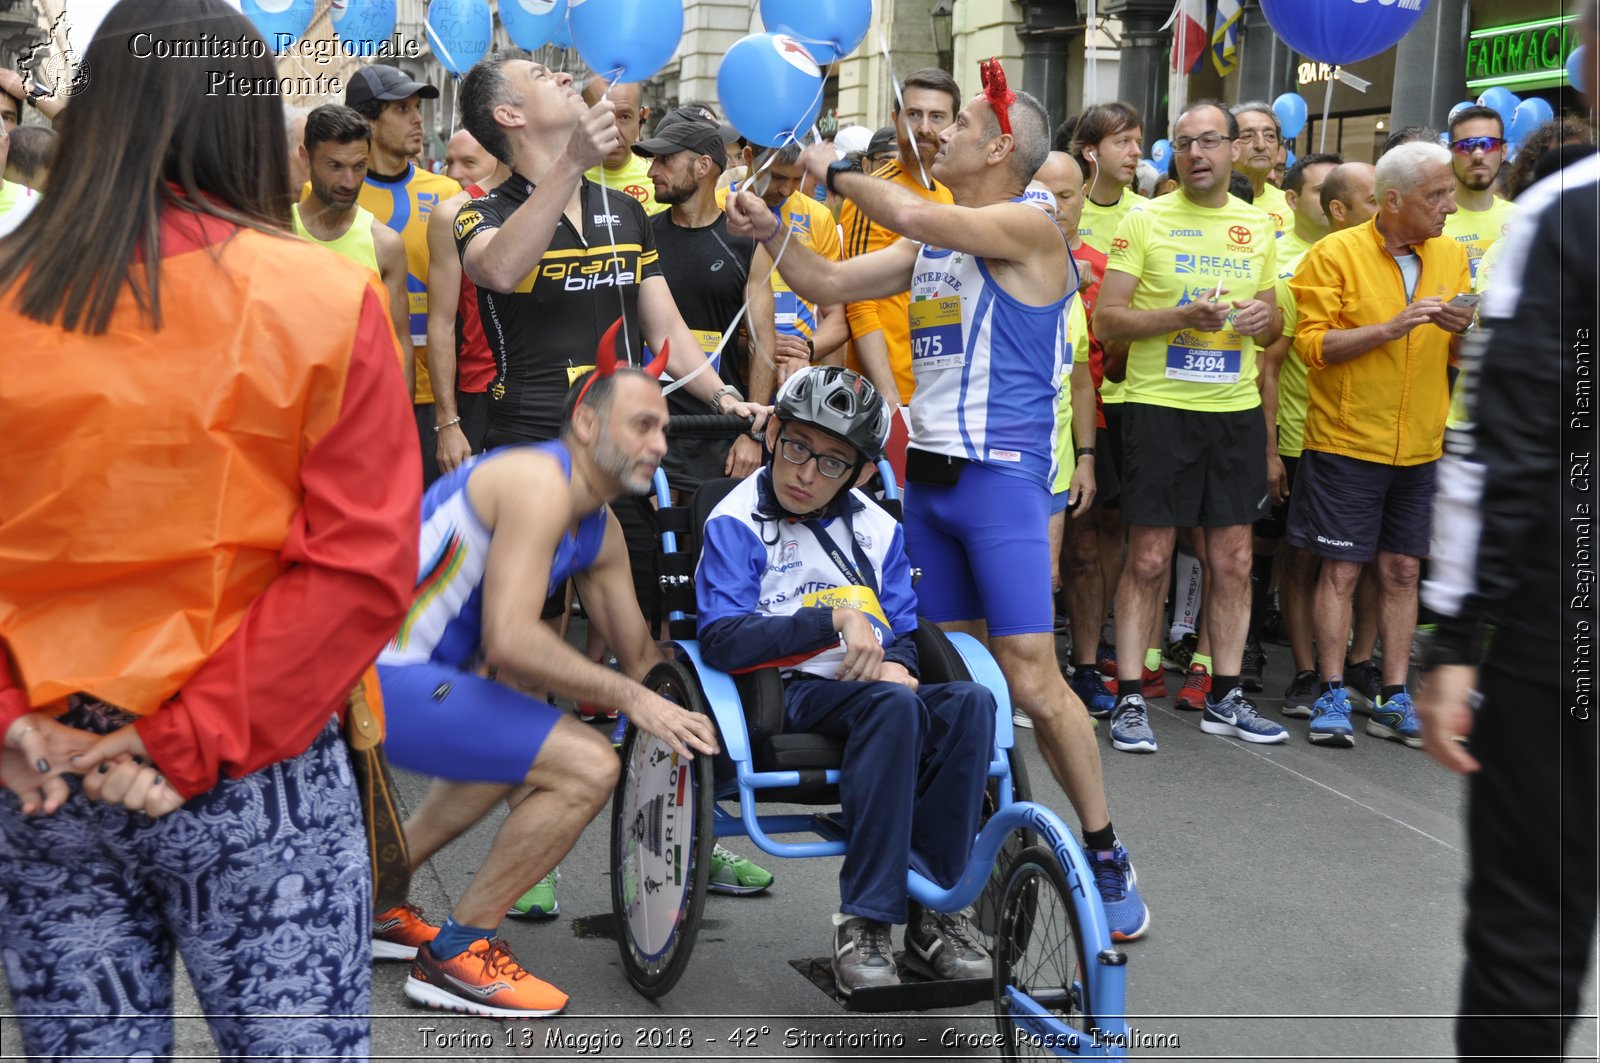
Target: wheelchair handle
[(707, 426)]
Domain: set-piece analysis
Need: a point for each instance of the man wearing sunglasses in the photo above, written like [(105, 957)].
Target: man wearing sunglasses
[(801, 572), (1477, 151)]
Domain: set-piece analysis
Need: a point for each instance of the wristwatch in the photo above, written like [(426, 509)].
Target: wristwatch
[(847, 164), (726, 389)]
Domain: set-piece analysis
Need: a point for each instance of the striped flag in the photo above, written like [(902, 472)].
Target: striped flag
[(1188, 24), (1225, 36)]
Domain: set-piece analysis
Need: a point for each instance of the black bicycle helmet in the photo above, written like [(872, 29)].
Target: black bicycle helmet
[(839, 401)]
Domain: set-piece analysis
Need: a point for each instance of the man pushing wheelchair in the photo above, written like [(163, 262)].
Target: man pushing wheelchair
[(802, 572)]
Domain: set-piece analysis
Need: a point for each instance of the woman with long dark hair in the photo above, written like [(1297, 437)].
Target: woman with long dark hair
[(208, 529)]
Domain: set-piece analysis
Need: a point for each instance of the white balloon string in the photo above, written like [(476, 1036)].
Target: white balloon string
[(728, 333), (900, 101), (611, 233)]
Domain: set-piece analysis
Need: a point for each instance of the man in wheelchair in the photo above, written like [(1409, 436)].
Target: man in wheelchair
[(801, 572)]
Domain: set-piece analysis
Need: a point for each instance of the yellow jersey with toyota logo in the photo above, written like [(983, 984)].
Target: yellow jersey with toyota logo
[(543, 333), (1181, 252), (1477, 230)]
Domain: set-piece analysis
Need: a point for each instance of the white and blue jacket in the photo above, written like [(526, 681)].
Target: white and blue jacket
[(766, 588)]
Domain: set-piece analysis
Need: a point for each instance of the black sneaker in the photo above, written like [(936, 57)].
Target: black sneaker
[(1180, 653), (862, 956), (1273, 629), (1252, 665), (1301, 695), (940, 945), (1363, 682)]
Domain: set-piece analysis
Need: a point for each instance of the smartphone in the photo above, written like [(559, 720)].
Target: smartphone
[(1466, 300)]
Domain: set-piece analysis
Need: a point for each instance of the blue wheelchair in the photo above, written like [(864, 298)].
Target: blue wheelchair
[(1059, 982)]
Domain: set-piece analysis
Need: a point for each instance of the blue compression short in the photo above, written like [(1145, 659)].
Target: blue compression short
[(457, 725), (984, 550)]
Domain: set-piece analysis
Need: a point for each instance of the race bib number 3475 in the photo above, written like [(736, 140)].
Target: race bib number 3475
[(936, 333)]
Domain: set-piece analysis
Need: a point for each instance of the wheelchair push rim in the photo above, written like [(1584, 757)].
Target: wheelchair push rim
[(661, 839), (1043, 1007)]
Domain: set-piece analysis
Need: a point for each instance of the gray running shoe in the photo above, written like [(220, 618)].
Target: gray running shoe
[(940, 945), (862, 956)]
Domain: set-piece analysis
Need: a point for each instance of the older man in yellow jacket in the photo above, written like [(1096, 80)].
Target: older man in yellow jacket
[(1380, 321)]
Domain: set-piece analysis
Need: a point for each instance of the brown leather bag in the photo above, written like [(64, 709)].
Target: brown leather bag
[(386, 836)]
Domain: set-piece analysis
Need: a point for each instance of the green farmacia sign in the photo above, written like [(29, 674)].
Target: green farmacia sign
[(1524, 54)]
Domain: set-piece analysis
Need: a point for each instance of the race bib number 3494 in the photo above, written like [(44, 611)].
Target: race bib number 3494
[(936, 333)]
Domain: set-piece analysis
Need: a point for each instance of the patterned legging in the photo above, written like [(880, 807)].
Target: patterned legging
[(262, 885)]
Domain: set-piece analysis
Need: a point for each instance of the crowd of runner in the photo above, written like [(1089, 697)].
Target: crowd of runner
[(1151, 432)]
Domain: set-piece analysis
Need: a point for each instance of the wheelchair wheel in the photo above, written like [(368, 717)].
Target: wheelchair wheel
[(1042, 1004), (987, 909), (661, 840)]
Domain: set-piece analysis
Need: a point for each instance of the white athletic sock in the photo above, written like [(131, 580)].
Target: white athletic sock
[(1188, 604)]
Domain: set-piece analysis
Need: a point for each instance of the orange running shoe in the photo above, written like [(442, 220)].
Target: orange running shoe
[(397, 932), (1155, 684), (1196, 685), (485, 980)]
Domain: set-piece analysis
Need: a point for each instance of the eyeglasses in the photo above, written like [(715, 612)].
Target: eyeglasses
[(1468, 145), (1208, 141), (1266, 136), (797, 453)]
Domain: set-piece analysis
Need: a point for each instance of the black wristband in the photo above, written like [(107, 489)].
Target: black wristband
[(1084, 452)]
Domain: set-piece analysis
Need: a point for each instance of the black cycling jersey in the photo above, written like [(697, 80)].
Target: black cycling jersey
[(706, 270), (543, 334)]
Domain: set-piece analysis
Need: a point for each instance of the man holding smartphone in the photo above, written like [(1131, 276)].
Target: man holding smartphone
[(1380, 321)]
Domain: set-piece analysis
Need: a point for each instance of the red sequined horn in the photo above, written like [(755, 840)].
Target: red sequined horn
[(658, 364), (995, 91)]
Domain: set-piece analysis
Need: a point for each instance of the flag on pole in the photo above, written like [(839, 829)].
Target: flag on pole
[(1188, 35), (1225, 37)]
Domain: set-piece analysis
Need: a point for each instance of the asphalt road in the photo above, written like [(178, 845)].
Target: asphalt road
[(1306, 903)]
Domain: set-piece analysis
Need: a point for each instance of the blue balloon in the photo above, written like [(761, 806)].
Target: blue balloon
[(1575, 65), (363, 24), (1288, 158), (1502, 101), (281, 22), (829, 29), (531, 23), (626, 39), (459, 32), (1161, 154), (1458, 108), (1339, 31), (770, 88), (1291, 111), (1529, 115), (563, 35)]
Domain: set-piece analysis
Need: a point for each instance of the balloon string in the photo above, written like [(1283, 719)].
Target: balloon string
[(900, 101), (438, 43), (611, 233)]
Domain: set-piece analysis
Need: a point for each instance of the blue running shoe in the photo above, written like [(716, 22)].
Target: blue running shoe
[(1236, 716), (1130, 726), (1330, 720), (1091, 689), (1396, 719), (1118, 885)]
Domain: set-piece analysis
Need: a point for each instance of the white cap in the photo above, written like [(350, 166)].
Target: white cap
[(852, 138)]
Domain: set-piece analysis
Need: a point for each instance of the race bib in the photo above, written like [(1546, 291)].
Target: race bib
[(1205, 357), (854, 597), (785, 306), (936, 333), (575, 371)]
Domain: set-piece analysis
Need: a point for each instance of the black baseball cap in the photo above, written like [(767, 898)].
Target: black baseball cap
[(379, 82), (685, 129), (883, 141)]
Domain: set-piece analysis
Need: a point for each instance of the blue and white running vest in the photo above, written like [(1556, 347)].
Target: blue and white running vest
[(445, 622), (988, 367)]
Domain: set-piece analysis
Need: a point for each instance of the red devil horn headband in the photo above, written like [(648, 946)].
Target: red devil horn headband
[(605, 360), (995, 91)]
